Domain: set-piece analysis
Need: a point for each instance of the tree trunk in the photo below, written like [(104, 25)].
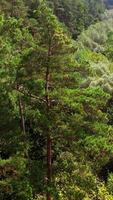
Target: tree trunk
[(21, 112), (49, 141), (49, 164), (22, 119)]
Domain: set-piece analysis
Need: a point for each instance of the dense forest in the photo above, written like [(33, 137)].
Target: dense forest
[(56, 100)]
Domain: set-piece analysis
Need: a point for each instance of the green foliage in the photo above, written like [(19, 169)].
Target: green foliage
[(110, 184), (14, 183), (79, 95), (13, 8), (96, 36), (77, 15), (109, 46)]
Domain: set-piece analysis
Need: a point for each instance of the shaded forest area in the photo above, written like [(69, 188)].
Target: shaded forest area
[(56, 100)]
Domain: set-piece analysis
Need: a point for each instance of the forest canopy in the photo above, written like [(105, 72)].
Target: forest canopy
[(56, 100)]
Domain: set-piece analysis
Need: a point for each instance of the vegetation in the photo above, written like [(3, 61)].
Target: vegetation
[(56, 100)]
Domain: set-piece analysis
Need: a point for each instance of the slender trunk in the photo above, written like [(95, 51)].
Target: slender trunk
[(21, 112), (12, 8), (49, 141), (22, 119), (23, 128), (49, 144), (49, 164), (22, 122)]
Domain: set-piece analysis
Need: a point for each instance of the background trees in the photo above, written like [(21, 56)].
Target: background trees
[(77, 15), (14, 8)]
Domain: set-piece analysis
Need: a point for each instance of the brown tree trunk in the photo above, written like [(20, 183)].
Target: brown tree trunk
[(49, 141), (22, 119), (21, 112), (22, 125), (49, 164)]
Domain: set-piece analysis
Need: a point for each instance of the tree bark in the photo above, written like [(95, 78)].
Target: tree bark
[(22, 119), (49, 141), (21, 112), (49, 164)]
